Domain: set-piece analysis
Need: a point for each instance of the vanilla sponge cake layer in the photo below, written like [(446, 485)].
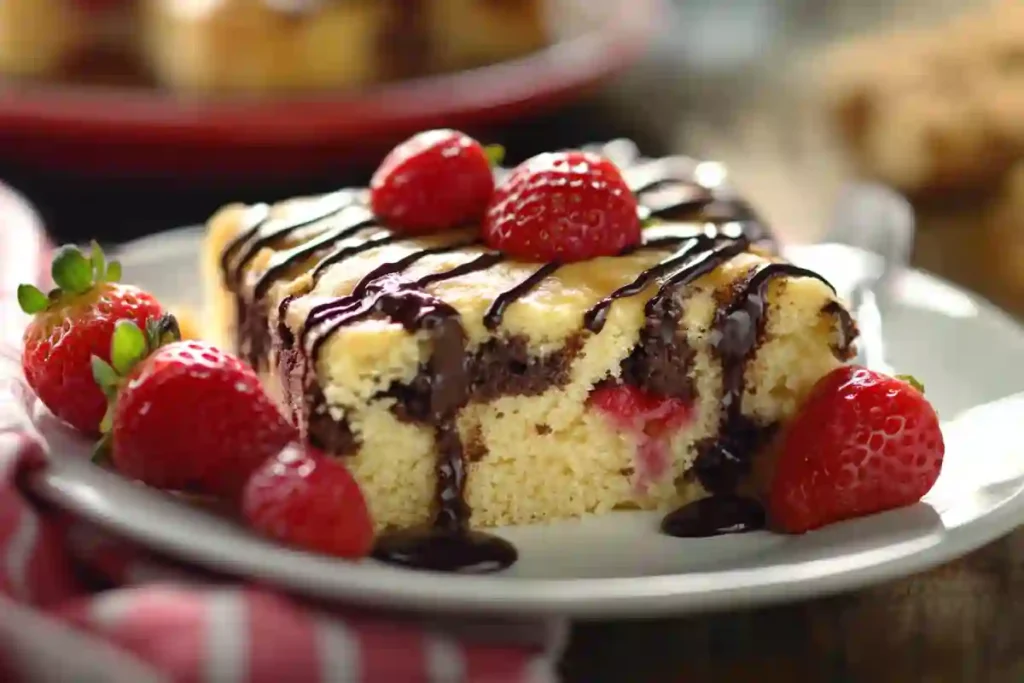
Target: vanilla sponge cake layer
[(544, 454)]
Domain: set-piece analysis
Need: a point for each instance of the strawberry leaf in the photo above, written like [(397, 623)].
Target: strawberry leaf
[(912, 381), (99, 263), (110, 382), (106, 376), (495, 154), (127, 346), (113, 273), (71, 270), (31, 299)]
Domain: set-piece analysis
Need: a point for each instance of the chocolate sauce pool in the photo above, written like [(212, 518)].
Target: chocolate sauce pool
[(714, 516), (703, 228), (466, 552)]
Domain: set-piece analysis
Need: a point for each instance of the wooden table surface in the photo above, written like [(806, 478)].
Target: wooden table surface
[(726, 81), (961, 623)]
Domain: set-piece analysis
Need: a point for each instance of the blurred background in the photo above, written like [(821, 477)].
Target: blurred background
[(125, 117)]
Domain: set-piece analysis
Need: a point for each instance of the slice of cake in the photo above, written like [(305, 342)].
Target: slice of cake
[(466, 386)]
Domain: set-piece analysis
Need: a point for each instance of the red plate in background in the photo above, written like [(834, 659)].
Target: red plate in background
[(144, 130)]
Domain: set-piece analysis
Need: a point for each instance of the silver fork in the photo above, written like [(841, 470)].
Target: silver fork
[(880, 221)]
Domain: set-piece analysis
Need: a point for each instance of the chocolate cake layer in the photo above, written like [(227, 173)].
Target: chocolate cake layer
[(501, 368)]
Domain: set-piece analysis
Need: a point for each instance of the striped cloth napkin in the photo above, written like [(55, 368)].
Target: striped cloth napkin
[(78, 604)]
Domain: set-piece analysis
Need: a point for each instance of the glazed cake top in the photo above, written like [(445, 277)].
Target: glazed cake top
[(369, 296), (329, 244)]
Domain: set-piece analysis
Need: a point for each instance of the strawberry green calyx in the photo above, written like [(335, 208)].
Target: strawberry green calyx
[(912, 381), (129, 346), (31, 299), (495, 154), (73, 273)]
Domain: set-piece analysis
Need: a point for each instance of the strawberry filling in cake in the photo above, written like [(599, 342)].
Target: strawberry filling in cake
[(651, 421)]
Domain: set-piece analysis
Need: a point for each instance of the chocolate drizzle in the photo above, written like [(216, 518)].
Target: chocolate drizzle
[(695, 258), (258, 234), (737, 331), (283, 261), (496, 311), (257, 216), (702, 228), (404, 40), (384, 292), (724, 462)]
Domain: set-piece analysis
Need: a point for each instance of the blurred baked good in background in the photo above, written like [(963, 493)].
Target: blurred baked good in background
[(938, 112), (936, 108), (234, 91), (37, 35), (264, 46)]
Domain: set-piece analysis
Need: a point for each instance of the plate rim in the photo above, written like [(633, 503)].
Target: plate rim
[(584, 598)]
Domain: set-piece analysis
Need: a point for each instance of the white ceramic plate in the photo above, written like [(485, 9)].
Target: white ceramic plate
[(968, 354)]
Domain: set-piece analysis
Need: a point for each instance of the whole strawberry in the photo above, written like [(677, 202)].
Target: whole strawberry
[(310, 501), (564, 206), (864, 442), (435, 180), (73, 323), (185, 415)]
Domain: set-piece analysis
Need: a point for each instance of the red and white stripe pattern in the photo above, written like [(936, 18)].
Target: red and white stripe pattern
[(77, 604)]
